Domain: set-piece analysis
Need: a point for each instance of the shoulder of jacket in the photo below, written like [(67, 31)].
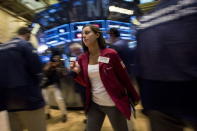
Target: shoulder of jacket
[(82, 55), (8, 45), (109, 51)]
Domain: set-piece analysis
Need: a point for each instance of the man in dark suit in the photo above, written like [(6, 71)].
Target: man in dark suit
[(122, 47), (20, 93), (167, 65)]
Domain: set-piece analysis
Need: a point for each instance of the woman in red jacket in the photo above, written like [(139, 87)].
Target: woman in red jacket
[(108, 86)]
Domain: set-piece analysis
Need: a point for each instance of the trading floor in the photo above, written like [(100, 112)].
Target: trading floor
[(75, 122)]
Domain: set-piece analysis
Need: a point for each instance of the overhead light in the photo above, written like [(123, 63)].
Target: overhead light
[(124, 28), (134, 20), (61, 30), (52, 42), (125, 35), (58, 43), (33, 4), (114, 26), (42, 48), (120, 10), (145, 1), (35, 29)]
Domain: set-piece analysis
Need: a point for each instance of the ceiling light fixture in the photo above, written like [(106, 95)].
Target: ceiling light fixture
[(120, 10)]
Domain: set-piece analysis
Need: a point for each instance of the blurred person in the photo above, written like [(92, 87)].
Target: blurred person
[(108, 86), (122, 47), (54, 71), (2, 102), (76, 50), (3, 113), (20, 93), (127, 56), (167, 65)]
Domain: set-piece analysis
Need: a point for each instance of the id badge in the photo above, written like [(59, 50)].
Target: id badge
[(103, 59)]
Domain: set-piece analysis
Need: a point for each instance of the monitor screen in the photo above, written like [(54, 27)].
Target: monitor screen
[(58, 35), (76, 28), (145, 1)]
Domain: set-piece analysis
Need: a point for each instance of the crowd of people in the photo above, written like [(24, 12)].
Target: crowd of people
[(165, 71)]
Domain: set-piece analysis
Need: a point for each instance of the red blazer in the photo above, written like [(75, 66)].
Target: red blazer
[(114, 77)]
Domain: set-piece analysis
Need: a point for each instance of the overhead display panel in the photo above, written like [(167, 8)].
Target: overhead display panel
[(76, 28), (68, 11), (63, 22), (83, 10), (72, 32), (53, 16), (58, 35)]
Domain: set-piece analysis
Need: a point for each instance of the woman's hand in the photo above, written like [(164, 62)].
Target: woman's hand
[(74, 66)]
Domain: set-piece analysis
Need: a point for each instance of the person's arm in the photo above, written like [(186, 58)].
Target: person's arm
[(32, 61), (123, 77), (47, 67), (77, 72)]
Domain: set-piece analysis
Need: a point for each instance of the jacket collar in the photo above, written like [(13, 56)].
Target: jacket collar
[(86, 61), (102, 53)]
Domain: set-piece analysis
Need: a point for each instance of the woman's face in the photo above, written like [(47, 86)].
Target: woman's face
[(89, 37)]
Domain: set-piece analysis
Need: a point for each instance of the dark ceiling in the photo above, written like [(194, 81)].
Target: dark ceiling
[(17, 8)]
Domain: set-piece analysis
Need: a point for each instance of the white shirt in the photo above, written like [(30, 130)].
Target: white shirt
[(99, 93)]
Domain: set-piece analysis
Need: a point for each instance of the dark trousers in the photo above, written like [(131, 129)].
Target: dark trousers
[(96, 116), (170, 105), (164, 122), (2, 99), (81, 90)]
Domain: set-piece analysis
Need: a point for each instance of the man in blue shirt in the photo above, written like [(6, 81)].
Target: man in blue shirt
[(20, 93)]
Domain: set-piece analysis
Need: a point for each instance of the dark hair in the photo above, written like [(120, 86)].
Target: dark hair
[(114, 31), (23, 31), (53, 55), (100, 39), (55, 51)]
